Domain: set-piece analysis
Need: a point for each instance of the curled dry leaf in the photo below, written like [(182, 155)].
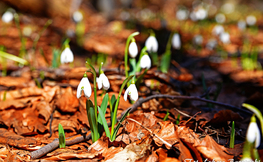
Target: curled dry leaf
[(213, 151), (167, 133), (67, 102), (223, 116), (19, 82), (44, 110)]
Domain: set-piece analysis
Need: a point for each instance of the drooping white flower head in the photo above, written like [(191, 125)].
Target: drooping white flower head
[(145, 61), (225, 38), (246, 159), (218, 29), (220, 18), (253, 132), (211, 44), (133, 49), (66, 56), (77, 16), (241, 24), (176, 41), (7, 17), (251, 20), (84, 85), (132, 91), (201, 14), (198, 39), (182, 14), (151, 44), (103, 82)]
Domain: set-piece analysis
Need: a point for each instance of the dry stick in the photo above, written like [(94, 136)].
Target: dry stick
[(53, 145)]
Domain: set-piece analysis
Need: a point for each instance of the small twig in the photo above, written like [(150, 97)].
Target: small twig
[(166, 143), (53, 145)]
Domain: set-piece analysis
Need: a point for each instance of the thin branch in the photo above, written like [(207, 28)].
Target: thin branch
[(53, 145)]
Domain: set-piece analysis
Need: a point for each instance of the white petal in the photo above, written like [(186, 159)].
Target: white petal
[(218, 29), (84, 85), (176, 42), (145, 62), (99, 83), (151, 44), (133, 49), (66, 56), (253, 134), (77, 16), (133, 92), (105, 81), (126, 93), (7, 17)]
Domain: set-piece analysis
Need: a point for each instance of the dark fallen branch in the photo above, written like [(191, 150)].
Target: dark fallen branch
[(53, 145)]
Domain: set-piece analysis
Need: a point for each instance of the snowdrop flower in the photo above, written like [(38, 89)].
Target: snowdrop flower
[(220, 18), (246, 159), (253, 132), (211, 44), (198, 39), (201, 14), (133, 49), (84, 85), (225, 38), (218, 29), (151, 44), (176, 42), (7, 17), (228, 8), (241, 24), (132, 91), (103, 82), (66, 56), (251, 20), (77, 16), (145, 61), (182, 14)]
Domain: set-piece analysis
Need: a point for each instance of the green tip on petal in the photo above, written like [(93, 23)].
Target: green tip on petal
[(253, 119)]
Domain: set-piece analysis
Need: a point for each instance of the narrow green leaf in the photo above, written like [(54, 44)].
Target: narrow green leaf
[(132, 66), (113, 137), (114, 117), (62, 139), (112, 101), (165, 62), (166, 116), (104, 122), (232, 136), (13, 57), (257, 112), (92, 121), (103, 108), (178, 119)]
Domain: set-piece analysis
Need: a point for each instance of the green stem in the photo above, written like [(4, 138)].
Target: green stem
[(13, 57), (117, 104), (126, 52), (232, 136)]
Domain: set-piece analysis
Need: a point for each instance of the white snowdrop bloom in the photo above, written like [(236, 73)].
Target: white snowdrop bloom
[(201, 14), (145, 62), (133, 49), (220, 18), (66, 56), (151, 44), (228, 8), (246, 159), (27, 31), (211, 44), (132, 91), (241, 24), (182, 14), (225, 38), (77, 16), (253, 134), (193, 16), (7, 17), (251, 20), (218, 29), (176, 41), (84, 85), (198, 39), (103, 82)]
